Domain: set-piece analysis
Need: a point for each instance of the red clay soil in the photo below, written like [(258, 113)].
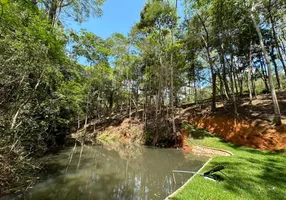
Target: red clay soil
[(257, 134), (252, 128)]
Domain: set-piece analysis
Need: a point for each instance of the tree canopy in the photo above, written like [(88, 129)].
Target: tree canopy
[(54, 80)]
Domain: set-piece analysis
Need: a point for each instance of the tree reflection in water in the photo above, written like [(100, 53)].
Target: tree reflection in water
[(126, 173)]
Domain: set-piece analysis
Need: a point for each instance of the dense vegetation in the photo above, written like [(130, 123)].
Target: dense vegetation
[(54, 80)]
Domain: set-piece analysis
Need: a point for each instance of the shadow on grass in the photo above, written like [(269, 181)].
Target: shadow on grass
[(196, 133), (260, 174), (250, 173)]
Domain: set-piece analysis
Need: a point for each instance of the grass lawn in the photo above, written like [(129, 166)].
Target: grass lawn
[(253, 174)]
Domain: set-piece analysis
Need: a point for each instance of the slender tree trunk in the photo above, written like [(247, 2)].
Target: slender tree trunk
[(235, 83), (277, 75), (195, 86), (172, 89), (232, 86), (275, 37), (189, 91), (241, 86), (78, 122), (158, 102), (277, 116), (172, 82), (223, 92), (249, 75), (254, 86), (213, 74), (275, 68), (264, 74), (224, 77), (53, 10), (221, 88), (214, 89), (137, 101), (283, 47)]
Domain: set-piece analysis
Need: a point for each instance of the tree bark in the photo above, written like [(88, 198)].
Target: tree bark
[(254, 87), (172, 88), (264, 74), (213, 74), (226, 87), (275, 36), (272, 55), (249, 75), (232, 86), (277, 116)]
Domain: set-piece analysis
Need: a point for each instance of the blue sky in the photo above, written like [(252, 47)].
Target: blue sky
[(118, 16)]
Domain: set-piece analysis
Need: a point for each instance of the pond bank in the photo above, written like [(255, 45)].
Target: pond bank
[(200, 150), (251, 174)]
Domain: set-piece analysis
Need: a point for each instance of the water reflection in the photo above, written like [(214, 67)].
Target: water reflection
[(108, 174)]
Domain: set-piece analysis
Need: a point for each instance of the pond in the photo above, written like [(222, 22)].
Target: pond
[(95, 172)]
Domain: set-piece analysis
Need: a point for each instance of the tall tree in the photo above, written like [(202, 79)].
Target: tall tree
[(78, 10), (277, 115)]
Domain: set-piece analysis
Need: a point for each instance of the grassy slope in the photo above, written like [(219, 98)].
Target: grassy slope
[(253, 174)]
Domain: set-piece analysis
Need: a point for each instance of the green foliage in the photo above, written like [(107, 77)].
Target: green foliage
[(50, 77), (158, 14), (78, 10)]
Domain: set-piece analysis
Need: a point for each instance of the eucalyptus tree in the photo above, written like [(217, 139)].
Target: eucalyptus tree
[(78, 10), (254, 6), (95, 51), (122, 60), (158, 19), (274, 11), (234, 40), (229, 33), (199, 14)]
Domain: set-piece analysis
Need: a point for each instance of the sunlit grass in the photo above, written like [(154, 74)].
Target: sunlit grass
[(251, 174)]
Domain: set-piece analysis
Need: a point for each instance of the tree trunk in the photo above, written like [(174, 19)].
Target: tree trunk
[(235, 82), (241, 86), (221, 88), (213, 74), (264, 75), (254, 87), (277, 115), (275, 68), (224, 77), (78, 122), (275, 36), (195, 88), (214, 89), (172, 82), (232, 86), (172, 93), (249, 75), (53, 11)]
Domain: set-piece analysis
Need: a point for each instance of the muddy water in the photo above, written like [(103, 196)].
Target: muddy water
[(143, 173)]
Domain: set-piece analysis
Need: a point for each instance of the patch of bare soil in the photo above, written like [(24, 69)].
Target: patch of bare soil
[(253, 126), (209, 152), (205, 151)]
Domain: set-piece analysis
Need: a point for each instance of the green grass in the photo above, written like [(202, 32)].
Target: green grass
[(253, 174)]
